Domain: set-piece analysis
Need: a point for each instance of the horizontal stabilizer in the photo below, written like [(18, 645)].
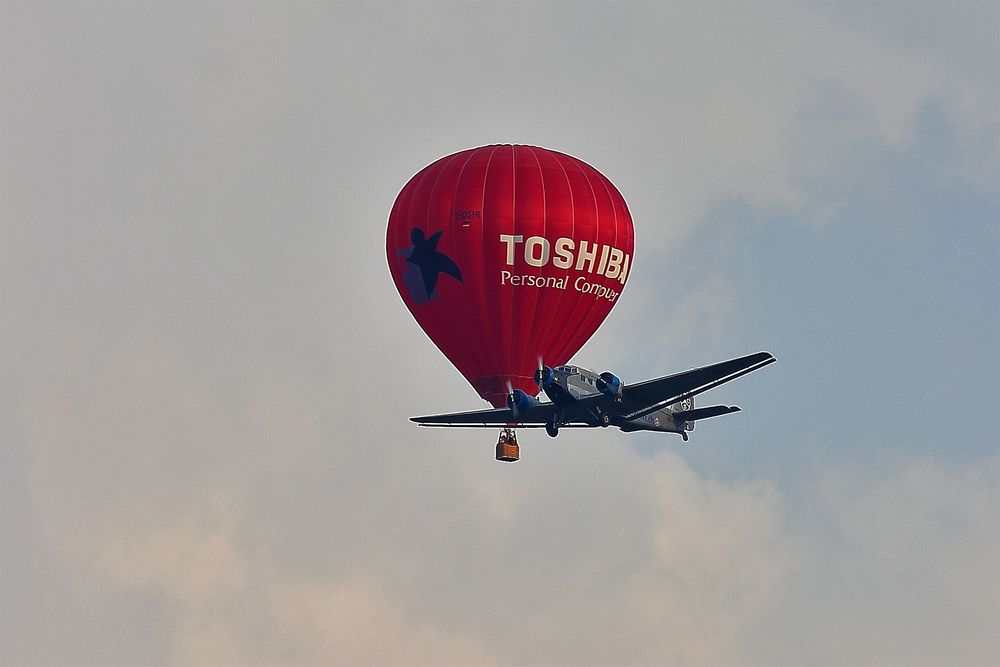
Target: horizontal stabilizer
[(705, 413)]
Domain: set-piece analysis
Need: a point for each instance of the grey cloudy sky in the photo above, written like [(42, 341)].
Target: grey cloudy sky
[(207, 372)]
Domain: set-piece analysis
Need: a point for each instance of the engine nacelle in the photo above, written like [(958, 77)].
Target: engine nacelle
[(609, 384), (518, 402), (544, 376)]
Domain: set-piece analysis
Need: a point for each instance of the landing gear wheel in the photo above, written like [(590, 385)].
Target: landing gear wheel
[(552, 428), (605, 419)]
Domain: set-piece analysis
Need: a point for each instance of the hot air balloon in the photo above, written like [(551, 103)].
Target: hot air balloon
[(507, 255)]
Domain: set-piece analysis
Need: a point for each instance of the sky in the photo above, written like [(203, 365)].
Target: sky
[(207, 373)]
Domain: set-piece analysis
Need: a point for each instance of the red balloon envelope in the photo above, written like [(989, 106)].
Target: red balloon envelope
[(505, 254)]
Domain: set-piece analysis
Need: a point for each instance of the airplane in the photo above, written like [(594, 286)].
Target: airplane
[(580, 398)]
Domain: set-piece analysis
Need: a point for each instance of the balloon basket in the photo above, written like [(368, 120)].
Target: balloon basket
[(507, 449)]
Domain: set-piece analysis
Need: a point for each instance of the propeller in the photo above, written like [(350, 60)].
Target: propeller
[(544, 375), (511, 402)]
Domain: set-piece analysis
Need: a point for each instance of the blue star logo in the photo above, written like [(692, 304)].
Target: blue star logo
[(427, 263)]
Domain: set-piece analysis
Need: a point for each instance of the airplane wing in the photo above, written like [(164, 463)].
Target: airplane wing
[(535, 416), (637, 399), (646, 397)]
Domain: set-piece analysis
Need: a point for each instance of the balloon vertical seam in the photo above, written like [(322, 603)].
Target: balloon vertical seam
[(513, 224), (441, 169), (452, 230), (528, 355), (571, 343), (486, 286), (596, 304), (560, 296)]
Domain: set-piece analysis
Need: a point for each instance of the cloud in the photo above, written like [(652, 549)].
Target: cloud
[(207, 371), (357, 623), (894, 568), (720, 554), (179, 561), (232, 609), (297, 548), (237, 577)]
